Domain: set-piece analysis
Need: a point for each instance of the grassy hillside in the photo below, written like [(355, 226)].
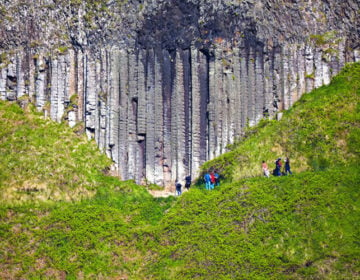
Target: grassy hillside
[(321, 130), (42, 160), (300, 227), (61, 217), (304, 226)]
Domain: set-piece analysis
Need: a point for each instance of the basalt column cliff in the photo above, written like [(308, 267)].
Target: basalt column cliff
[(162, 85)]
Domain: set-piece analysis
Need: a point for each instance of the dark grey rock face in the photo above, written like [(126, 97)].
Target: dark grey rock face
[(163, 86)]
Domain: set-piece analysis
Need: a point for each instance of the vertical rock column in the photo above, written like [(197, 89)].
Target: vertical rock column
[(150, 116), (199, 99), (168, 70), (132, 114), (60, 87), (285, 79), (102, 98), (217, 105), (54, 92), (113, 107), (80, 71), (40, 83), (276, 77), (211, 137), (123, 114), (259, 85), (268, 82), (158, 119), (251, 105), (243, 91), (20, 67), (141, 117), (318, 68), (2, 83), (178, 121), (236, 77), (186, 157), (91, 98), (300, 57), (309, 69), (293, 78)]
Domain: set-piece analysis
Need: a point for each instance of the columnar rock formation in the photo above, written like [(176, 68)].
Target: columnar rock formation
[(161, 110)]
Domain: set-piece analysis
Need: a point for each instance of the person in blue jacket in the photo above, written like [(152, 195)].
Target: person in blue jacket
[(207, 181)]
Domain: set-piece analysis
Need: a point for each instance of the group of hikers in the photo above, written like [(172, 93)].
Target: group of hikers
[(278, 167), (212, 179), (187, 185)]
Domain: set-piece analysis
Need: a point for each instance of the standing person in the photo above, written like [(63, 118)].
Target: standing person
[(265, 169), (217, 179), (287, 166), (188, 182), (279, 166), (212, 180), (178, 188), (207, 181)]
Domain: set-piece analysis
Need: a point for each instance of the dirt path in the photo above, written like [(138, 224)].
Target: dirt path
[(162, 193)]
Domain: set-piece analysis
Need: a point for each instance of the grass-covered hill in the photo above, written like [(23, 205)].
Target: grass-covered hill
[(62, 218), (321, 130), (304, 226), (42, 160)]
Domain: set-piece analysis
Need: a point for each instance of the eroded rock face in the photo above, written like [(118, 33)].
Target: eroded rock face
[(165, 85)]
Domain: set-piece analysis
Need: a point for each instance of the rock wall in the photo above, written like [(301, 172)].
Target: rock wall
[(163, 105)]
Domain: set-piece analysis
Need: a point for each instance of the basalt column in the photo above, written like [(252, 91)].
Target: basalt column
[(199, 99)]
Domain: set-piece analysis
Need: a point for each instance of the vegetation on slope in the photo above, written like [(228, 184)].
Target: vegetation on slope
[(304, 226), (74, 222), (60, 216), (319, 131), (42, 160), (298, 227)]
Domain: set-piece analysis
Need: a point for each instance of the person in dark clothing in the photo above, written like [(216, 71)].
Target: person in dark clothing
[(278, 165), (217, 179), (287, 166), (188, 182), (178, 188)]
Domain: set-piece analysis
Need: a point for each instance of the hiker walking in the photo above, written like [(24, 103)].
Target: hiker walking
[(287, 166), (188, 182), (178, 188), (265, 169), (207, 181), (277, 170), (212, 180)]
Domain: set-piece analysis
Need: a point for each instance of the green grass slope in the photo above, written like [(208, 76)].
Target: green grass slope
[(60, 216), (298, 227), (42, 160), (304, 226), (321, 130)]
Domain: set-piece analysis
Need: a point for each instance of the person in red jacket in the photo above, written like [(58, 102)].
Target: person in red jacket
[(212, 180)]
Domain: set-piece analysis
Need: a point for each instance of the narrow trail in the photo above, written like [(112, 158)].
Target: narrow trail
[(161, 193), (164, 193)]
